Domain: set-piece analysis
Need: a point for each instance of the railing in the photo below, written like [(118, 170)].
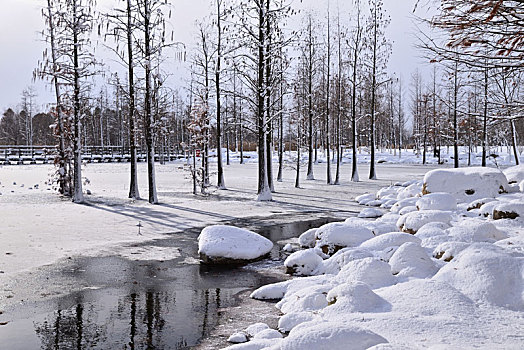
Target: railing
[(14, 154)]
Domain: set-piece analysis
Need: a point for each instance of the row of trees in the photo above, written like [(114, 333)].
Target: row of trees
[(322, 86)]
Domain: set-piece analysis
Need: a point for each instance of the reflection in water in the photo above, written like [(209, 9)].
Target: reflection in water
[(153, 305), (136, 321)]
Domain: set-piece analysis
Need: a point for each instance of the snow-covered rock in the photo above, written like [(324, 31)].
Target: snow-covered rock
[(437, 201), (508, 210), (229, 244), (330, 335), (486, 273), (375, 273), (475, 230), (406, 202), (413, 190), (289, 321), (413, 221), (335, 236), (466, 184), (268, 334), (477, 203), (392, 239), (303, 262), (334, 264), (306, 299), (364, 199), (370, 213), (308, 238), (446, 251), (256, 328), (411, 260), (237, 338), (514, 174), (353, 297)]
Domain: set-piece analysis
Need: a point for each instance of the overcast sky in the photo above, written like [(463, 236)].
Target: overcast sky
[(22, 47)]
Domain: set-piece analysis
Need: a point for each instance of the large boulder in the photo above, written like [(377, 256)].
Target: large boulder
[(222, 244), (466, 184)]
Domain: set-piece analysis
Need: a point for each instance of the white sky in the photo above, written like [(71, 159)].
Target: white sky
[(21, 45)]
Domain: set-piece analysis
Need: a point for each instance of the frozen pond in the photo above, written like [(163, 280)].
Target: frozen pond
[(126, 304)]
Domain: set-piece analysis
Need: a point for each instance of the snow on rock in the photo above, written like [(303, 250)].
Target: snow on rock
[(308, 238), (406, 202), (387, 192), (486, 273), (475, 230), (303, 262), (289, 321), (413, 221), (330, 335), (353, 297), (271, 291), (521, 186), (486, 210), (411, 260), (372, 271), (364, 199), (334, 264), (514, 174), (407, 210), (437, 201), (476, 204), (238, 337), (256, 328), (377, 227), (268, 334), (508, 210), (391, 239), (306, 299), (446, 251), (466, 184), (288, 247), (413, 190), (255, 344), (370, 213), (229, 244), (335, 236)]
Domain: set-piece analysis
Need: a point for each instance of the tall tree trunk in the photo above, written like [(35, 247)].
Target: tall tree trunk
[(153, 199), (372, 173), (220, 181), (455, 121), (133, 186), (327, 126), (485, 120), (78, 196), (264, 192)]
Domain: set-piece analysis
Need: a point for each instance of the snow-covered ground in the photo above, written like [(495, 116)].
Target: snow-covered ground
[(37, 227), (442, 268)]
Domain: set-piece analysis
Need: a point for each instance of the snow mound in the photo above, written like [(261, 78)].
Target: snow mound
[(370, 213), (475, 230), (237, 338), (308, 238), (515, 174), (334, 264), (411, 260), (392, 239), (466, 184), (476, 204), (364, 199), (268, 334), (486, 273), (222, 244), (446, 251), (486, 210), (413, 221), (306, 299), (377, 227), (255, 344), (330, 335), (289, 321), (413, 190), (353, 297), (256, 328), (335, 236), (406, 202), (303, 263), (508, 210), (375, 273), (437, 201)]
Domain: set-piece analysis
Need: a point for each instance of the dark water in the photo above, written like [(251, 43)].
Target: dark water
[(128, 304)]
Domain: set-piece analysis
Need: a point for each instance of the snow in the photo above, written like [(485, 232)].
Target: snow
[(330, 335), (372, 271), (370, 213), (486, 273), (268, 334), (515, 174), (392, 239), (334, 236), (437, 201), (466, 184), (411, 260), (238, 337), (290, 320), (413, 221), (308, 238), (508, 210), (353, 297), (303, 263), (222, 241), (256, 328)]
